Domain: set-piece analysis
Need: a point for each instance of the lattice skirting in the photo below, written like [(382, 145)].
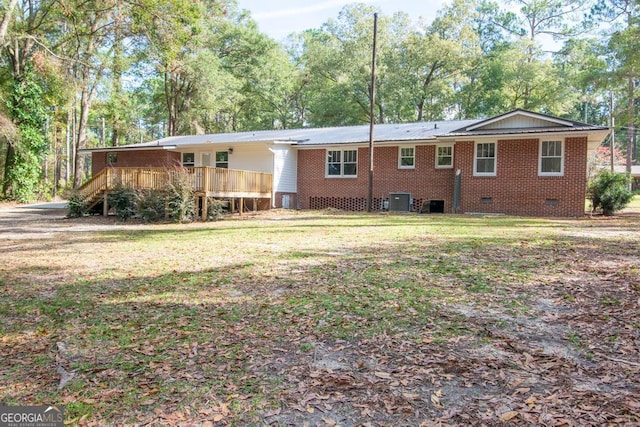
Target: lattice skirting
[(354, 203)]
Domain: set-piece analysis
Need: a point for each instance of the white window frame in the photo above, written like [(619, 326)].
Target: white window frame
[(476, 158), (439, 166), (191, 164), (412, 157), (216, 162), (341, 162), (540, 172)]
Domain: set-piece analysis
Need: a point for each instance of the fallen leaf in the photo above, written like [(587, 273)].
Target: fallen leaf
[(383, 375), (410, 396), (435, 398), (508, 416)]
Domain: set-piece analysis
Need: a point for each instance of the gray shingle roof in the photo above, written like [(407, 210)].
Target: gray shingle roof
[(317, 136), (420, 131)]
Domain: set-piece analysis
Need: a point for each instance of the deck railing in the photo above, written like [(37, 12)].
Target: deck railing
[(214, 182)]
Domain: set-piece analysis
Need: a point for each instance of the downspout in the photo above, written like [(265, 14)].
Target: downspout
[(456, 191), (273, 175)]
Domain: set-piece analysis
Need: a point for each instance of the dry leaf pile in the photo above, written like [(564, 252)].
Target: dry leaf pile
[(321, 322)]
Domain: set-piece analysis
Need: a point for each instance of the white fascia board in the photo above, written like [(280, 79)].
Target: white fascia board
[(124, 148), (411, 142)]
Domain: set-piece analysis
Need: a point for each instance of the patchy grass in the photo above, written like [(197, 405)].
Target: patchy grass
[(289, 318), (635, 203)]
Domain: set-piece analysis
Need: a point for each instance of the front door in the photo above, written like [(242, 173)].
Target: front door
[(207, 159)]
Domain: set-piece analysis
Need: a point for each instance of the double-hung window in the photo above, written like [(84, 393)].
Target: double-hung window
[(188, 159), (407, 158), (342, 163), (444, 156), (551, 162), (484, 162), (222, 159)]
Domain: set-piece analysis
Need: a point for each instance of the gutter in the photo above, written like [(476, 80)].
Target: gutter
[(127, 148)]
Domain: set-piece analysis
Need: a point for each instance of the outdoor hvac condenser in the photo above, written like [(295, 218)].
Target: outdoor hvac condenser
[(399, 202)]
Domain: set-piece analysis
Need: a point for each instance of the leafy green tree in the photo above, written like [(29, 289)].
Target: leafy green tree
[(431, 61), (516, 72), (22, 170), (336, 63), (583, 68), (622, 19)]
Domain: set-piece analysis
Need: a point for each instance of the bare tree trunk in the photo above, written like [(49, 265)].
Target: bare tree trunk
[(8, 164), (169, 95), (81, 142), (420, 110), (630, 129), (4, 25), (67, 168)]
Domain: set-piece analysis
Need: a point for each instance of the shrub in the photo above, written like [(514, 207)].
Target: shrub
[(77, 205), (215, 209), (180, 197), (123, 200), (151, 204), (610, 191)]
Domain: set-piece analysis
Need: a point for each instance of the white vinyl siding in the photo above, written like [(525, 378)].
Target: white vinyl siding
[(285, 169), (551, 160), (485, 159)]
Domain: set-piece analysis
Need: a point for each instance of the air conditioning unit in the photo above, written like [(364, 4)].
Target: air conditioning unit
[(399, 202)]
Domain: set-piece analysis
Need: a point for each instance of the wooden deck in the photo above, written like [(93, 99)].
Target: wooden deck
[(207, 182)]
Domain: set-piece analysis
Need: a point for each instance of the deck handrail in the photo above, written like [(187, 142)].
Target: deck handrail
[(209, 180), (94, 186), (222, 180)]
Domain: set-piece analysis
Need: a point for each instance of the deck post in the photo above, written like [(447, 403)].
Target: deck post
[(204, 207), (241, 207), (105, 204), (205, 180)]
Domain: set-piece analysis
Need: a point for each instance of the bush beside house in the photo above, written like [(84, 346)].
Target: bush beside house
[(610, 192)]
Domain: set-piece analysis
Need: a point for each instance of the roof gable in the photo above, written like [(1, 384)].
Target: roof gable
[(520, 119)]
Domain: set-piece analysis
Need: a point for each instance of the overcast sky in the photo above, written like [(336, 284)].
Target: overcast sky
[(279, 18)]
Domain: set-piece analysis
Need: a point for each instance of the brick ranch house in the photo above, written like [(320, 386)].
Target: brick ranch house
[(518, 163)]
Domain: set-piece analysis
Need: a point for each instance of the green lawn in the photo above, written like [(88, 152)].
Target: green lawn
[(635, 203), (326, 319)]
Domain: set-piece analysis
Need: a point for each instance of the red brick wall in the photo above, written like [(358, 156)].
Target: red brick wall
[(425, 182), (517, 189), (142, 158)]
